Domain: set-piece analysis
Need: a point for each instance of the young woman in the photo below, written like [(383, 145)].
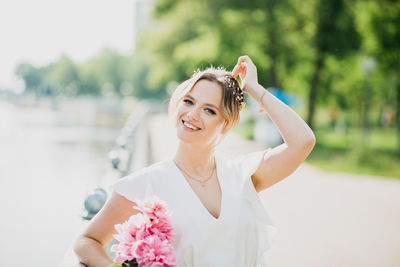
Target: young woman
[(218, 217)]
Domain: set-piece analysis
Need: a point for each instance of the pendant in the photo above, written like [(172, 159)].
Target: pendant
[(203, 185)]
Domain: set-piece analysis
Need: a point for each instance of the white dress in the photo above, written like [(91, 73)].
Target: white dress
[(238, 237)]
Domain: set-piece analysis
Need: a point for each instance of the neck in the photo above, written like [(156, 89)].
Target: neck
[(199, 160)]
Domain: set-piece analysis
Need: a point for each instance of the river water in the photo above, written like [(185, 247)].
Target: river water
[(49, 160)]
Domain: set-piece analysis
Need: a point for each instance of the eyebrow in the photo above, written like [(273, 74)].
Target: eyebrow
[(207, 104)]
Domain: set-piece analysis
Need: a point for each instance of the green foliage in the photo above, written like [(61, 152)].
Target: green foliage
[(108, 68), (62, 77), (335, 29), (131, 263), (245, 129), (343, 152), (108, 74), (284, 38), (384, 20), (280, 36), (31, 75)]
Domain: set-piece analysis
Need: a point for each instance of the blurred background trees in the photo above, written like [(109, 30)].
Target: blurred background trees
[(342, 57)]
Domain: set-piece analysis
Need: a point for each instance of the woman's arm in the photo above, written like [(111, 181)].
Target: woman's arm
[(299, 139), (89, 246)]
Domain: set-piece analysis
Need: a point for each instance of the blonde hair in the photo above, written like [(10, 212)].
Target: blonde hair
[(232, 95)]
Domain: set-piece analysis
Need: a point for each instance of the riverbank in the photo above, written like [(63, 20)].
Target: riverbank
[(49, 160)]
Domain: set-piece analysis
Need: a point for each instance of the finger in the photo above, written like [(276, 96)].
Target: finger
[(239, 72), (243, 73), (239, 68), (246, 59), (249, 61), (241, 60), (235, 74), (243, 68), (236, 71)]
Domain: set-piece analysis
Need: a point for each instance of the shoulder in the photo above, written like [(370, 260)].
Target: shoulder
[(141, 183), (244, 164), (160, 167), (238, 160), (227, 160)]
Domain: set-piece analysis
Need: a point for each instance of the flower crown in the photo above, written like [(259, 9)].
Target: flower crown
[(232, 82)]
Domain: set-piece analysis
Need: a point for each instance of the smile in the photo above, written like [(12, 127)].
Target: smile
[(190, 126)]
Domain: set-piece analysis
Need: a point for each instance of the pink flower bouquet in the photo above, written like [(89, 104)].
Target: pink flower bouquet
[(145, 239)]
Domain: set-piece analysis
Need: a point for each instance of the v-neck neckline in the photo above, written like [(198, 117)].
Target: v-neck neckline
[(194, 194)]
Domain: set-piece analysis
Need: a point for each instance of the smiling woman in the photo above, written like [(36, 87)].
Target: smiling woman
[(199, 112), (218, 85), (218, 218)]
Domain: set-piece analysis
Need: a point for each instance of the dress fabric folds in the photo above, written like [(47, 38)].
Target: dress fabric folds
[(241, 234)]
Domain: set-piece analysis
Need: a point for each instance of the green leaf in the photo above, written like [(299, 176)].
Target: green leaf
[(239, 81)]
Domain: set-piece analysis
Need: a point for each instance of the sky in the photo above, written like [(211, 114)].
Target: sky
[(41, 31)]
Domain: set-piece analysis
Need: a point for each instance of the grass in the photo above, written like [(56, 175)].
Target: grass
[(342, 151)]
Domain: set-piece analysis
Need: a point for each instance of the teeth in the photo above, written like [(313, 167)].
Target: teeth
[(189, 126)]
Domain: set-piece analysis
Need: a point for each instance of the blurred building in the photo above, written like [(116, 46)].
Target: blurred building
[(142, 10)]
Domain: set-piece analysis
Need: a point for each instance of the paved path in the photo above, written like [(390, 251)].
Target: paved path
[(324, 219)]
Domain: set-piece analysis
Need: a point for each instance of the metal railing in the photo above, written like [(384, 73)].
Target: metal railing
[(122, 156), (131, 151)]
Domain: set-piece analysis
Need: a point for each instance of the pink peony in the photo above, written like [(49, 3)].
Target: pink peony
[(128, 232), (162, 228), (124, 253), (152, 251), (153, 207), (146, 236)]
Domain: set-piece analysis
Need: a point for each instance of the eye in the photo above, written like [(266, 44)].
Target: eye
[(187, 101), (210, 111)]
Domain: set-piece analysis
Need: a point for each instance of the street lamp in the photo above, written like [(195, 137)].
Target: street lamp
[(368, 66)]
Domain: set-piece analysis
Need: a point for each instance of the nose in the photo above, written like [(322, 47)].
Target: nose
[(193, 115)]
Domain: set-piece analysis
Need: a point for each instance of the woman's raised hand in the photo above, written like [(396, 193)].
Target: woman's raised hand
[(248, 73)]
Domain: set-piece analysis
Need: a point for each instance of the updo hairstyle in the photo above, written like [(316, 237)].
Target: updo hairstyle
[(232, 95)]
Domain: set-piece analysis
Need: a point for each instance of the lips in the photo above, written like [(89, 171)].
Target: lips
[(190, 126)]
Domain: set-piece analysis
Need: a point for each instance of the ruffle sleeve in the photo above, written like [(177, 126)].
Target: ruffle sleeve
[(246, 166), (134, 186)]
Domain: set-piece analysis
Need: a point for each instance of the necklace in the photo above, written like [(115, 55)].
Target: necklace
[(202, 182)]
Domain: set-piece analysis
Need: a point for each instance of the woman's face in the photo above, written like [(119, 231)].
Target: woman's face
[(199, 117)]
